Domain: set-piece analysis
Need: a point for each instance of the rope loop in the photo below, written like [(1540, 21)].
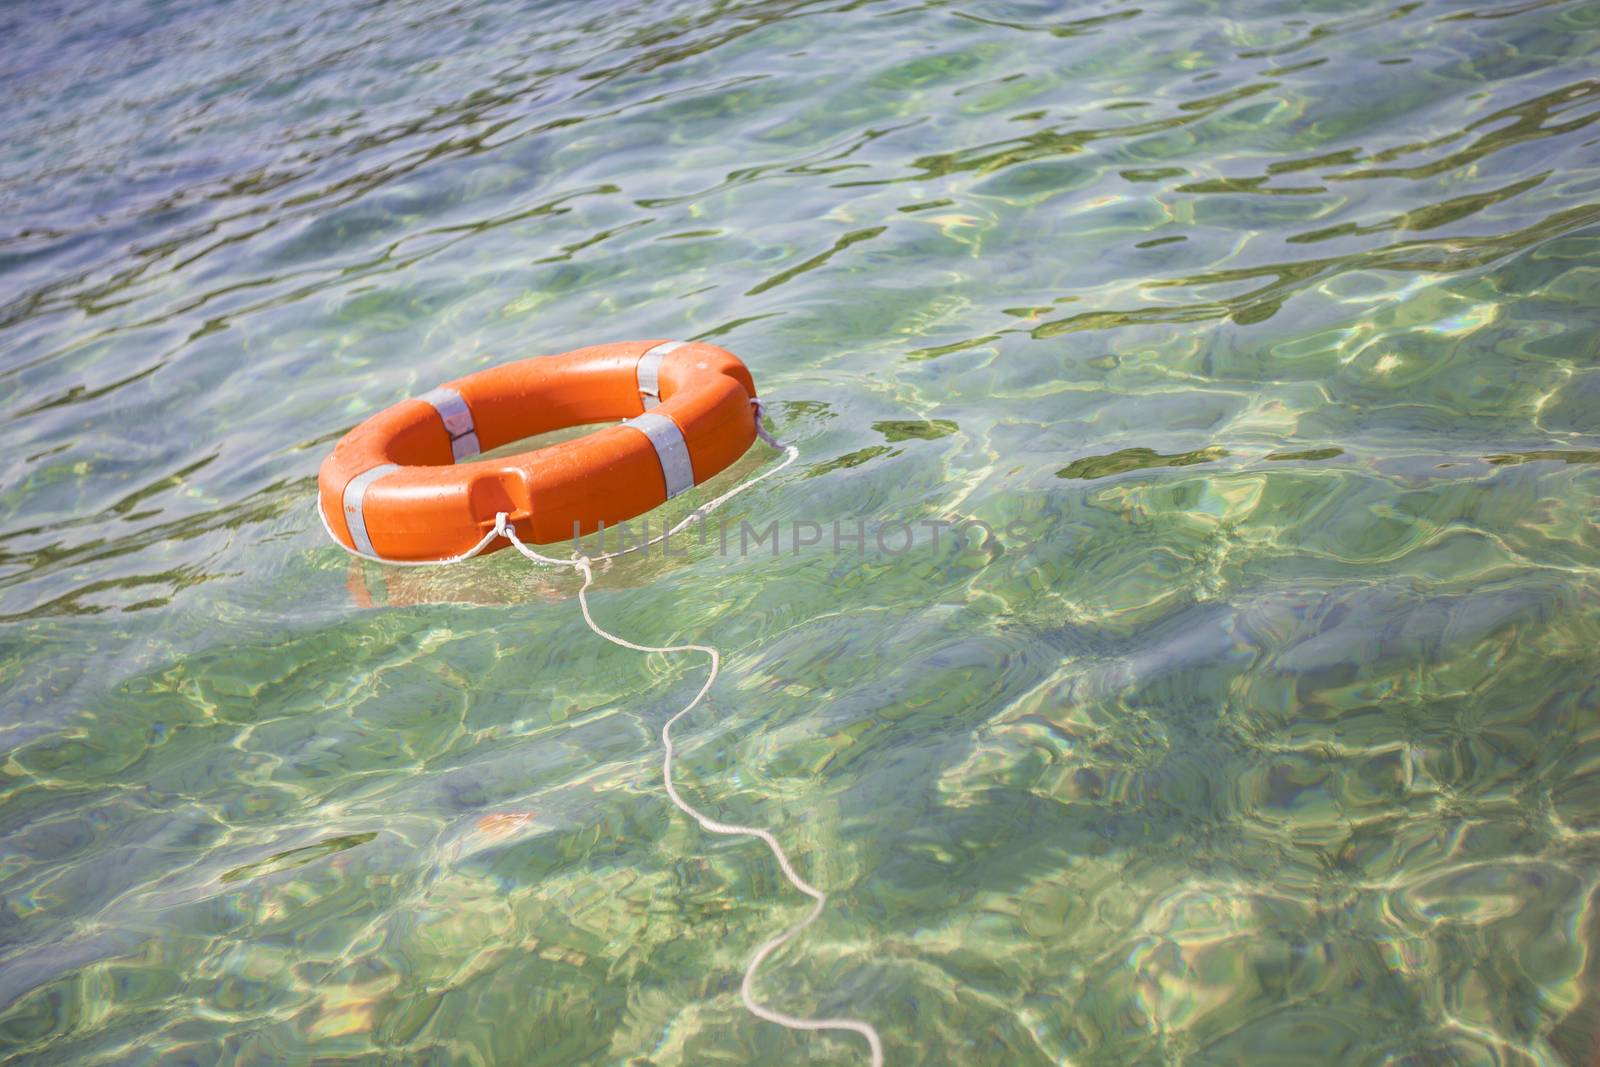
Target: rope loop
[(584, 565), (761, 430)]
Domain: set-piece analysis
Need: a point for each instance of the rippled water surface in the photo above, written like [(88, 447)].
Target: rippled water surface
[(1262, 730)]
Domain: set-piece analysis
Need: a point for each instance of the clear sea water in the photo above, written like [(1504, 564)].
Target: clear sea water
[(1264, 729)]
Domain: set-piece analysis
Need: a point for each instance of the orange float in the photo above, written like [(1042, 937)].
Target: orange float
[(395, 487)]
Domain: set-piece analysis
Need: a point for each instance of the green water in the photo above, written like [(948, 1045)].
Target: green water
[(1264, 729)]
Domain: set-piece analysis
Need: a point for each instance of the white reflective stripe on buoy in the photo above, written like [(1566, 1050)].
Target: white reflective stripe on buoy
[(457, 419), (650, 371), (353, 495), (671, 449)]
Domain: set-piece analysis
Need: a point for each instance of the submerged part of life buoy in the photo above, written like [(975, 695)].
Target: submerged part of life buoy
[(396, 486)]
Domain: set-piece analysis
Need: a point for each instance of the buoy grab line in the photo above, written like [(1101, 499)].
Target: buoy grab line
[(584, 565)]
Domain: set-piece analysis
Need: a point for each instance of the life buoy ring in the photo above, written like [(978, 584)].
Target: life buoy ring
[(395, 486)]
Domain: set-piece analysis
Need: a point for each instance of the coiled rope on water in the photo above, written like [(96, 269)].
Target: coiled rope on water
[(584, 565)]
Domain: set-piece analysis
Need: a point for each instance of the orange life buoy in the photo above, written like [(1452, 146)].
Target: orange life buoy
[(395, 487)]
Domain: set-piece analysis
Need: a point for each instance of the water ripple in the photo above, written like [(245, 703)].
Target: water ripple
[(1249, 717)]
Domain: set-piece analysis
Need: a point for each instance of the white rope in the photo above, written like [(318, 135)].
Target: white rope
[(791, 453), (475, 550), (710, 825), (585, 566)]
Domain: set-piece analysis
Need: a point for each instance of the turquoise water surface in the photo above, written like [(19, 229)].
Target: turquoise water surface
[(1263, 728)]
